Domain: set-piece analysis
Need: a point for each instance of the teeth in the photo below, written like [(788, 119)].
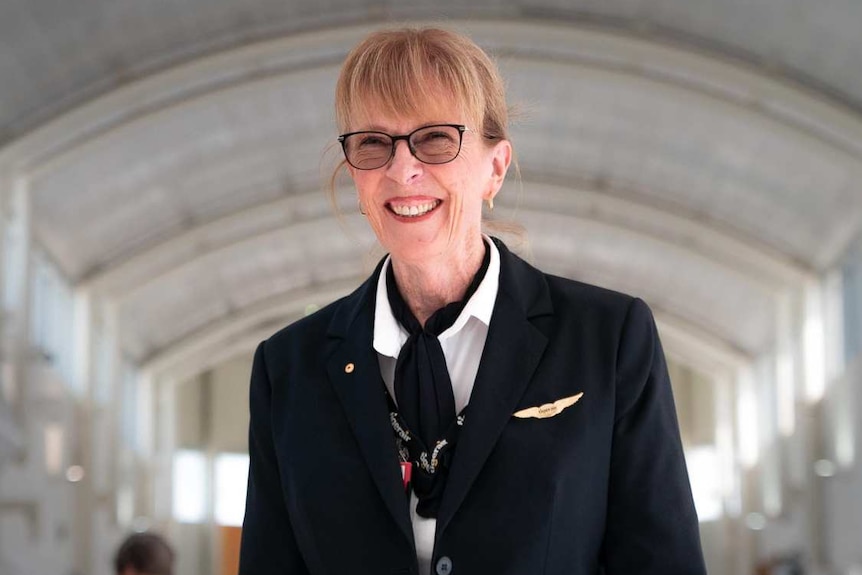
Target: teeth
[(416, 210)]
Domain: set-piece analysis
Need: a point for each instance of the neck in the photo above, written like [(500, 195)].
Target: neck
[(431, 284)]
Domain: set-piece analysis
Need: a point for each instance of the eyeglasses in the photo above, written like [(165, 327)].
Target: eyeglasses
[(437, 144)]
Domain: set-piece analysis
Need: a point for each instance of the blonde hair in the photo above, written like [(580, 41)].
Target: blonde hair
[(393, 69)]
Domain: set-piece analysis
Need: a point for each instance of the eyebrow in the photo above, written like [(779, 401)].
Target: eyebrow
[(378, 128)]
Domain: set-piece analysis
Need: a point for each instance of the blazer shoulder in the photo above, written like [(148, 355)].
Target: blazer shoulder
[(605, 312), (570, 300), (584, 298), (314, 324), (306, 335)]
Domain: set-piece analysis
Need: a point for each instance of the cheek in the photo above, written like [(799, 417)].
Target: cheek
[(465, 205), (476, 176), (365, 184), (473, 186)]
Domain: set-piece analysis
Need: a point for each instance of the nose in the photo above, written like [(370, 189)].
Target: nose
[(403, 167)]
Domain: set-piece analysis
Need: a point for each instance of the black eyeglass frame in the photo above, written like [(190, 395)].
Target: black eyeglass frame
[(406, 137)]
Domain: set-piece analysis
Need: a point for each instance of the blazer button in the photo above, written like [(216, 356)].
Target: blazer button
[(444, 566)]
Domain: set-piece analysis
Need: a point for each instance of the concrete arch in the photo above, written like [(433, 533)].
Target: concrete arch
[(111, 165)]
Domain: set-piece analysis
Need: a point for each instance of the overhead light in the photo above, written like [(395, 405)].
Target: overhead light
[(74, 473), (755, 521), (824, 468)]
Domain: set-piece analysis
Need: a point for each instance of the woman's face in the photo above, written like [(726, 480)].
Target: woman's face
[(447, 196)]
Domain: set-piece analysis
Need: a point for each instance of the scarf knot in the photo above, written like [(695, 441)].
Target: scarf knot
[(425, 414)]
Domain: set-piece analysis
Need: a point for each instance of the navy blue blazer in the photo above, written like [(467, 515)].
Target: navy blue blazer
[(599, 488)]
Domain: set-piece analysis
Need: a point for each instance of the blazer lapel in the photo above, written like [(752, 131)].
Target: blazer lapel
[(513, 350), (354, 371)]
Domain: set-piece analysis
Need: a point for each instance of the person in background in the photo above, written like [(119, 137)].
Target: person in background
[(144, 554), (461, 412)]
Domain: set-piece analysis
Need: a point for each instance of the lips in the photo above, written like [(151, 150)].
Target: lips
[(413, 209)]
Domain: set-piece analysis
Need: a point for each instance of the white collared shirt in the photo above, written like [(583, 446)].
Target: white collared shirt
[(462, 345)]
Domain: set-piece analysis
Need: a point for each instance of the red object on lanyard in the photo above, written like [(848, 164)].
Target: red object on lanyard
[(406, 471)]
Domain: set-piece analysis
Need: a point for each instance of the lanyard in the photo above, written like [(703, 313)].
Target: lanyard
[(410, 447)]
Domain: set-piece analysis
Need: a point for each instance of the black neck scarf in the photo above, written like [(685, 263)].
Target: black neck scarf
[(423, 389)]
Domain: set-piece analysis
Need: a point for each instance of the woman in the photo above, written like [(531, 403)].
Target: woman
[(461, 412)]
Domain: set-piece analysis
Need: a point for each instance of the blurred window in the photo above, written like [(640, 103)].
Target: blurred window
[(189, 486), (52, 316), (102, 388), (11, 268), (129, 409), (231, 478), (705, 473), (852, 300)]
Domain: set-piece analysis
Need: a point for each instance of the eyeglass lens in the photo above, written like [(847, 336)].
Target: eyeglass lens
[(431, 144)]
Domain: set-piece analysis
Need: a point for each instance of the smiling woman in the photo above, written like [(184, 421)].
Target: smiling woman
[(444, 96), (461, 411)]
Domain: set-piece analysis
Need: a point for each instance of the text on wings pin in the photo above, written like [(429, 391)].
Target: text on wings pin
[(548, 409)]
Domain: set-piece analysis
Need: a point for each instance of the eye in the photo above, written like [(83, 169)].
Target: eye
[(434, 136), (371, 140)]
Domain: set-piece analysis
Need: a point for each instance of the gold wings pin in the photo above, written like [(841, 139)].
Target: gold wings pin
[(548, 409)]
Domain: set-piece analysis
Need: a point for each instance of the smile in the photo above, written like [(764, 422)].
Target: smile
[(415, 210)]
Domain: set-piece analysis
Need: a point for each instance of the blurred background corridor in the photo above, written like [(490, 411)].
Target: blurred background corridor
[(162, 167)]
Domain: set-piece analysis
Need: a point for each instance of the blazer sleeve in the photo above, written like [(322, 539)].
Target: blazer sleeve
[(268, 543), (652, 526)]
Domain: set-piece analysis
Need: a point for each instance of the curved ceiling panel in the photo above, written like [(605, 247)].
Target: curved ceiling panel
[(55, 54), (768, 269), (729, 305), (689, 151), (234, 277), (189, 163)]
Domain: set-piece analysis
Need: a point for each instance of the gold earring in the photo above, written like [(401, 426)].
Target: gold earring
[(491, 203), (361, 211)]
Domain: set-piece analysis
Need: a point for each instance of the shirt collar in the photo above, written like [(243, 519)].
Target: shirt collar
[(389, 336)]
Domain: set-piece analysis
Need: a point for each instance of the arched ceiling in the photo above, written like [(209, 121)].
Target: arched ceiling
[(56, 54), (191, 199)]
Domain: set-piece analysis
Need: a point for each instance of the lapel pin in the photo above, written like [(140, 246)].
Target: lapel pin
[(548, 409), (349, 368)]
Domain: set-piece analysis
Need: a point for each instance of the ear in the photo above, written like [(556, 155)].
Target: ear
[(501, 157)]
